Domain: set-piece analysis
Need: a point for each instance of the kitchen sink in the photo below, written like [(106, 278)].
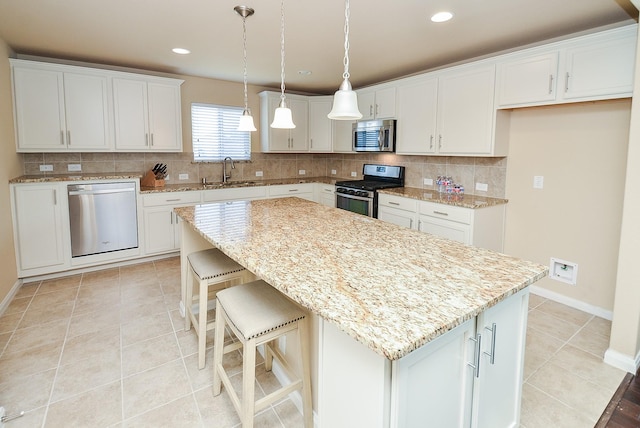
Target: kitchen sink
[(229, 184)]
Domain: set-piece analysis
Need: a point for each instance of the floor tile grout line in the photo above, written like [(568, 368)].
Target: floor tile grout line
[(64, 342), (121, 351), (559, 400)]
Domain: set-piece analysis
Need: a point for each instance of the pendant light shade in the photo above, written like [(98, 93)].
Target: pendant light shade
[(282, 117), (345, 100), (246, 120)]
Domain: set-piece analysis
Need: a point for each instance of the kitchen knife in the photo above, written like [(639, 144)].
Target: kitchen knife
[(155, 168)]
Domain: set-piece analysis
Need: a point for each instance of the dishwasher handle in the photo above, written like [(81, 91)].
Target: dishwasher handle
[(98, 192)]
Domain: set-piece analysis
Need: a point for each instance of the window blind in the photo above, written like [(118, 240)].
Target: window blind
[(214, 134)]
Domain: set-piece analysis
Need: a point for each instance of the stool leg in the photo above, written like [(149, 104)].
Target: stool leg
[(218, 349), (303, 339), (248, 383), (188, 300), (202, 322), (268, 355)]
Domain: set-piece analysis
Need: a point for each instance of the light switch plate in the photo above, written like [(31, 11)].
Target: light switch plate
[(334, 172), (354, 174), (483, 187), (76, 167), (301, 172), (46, 168), (538, 182), (183, 176)]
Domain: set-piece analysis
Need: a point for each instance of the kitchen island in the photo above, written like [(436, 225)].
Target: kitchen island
[(381, 293)]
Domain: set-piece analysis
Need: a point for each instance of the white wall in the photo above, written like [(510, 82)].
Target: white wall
[(580, 150)]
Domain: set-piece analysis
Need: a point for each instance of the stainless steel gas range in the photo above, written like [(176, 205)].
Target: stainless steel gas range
[(361, 196)]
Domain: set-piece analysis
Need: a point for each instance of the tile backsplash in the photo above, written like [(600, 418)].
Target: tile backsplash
[(464, 170)]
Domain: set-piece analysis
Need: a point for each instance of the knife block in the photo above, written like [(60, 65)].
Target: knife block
[(150, 180)]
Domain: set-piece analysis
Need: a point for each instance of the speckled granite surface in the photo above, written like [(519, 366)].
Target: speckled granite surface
[(466, 201), (391, 288), (234, 184), (74, 177)]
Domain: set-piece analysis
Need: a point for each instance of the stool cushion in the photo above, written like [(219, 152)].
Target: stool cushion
[(256, 308), (211, 263)]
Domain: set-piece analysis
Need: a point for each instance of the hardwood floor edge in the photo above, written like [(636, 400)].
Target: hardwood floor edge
[(617, 397)]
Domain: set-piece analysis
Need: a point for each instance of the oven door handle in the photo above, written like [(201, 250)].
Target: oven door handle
[(346, 195)]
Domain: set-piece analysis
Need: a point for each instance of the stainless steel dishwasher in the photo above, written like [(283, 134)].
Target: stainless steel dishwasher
[(103, 217)]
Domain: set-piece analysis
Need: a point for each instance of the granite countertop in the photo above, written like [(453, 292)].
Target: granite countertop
[(391, 288), (75, 177), (235, 184), (465, 200)]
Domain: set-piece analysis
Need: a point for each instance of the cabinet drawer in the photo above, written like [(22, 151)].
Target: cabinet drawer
[(171, 198), (247, 193), (447, 212), (290, 189), (397, 202)]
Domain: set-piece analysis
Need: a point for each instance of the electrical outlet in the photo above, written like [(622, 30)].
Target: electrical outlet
[(538, 182), (301, 172), (76, 167), (259, 174), (46, 168), (334, 172), (183, 176), (483, 187), (428, 182), (354, 174)]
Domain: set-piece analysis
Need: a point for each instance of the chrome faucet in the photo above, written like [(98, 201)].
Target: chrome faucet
[(225, 177)]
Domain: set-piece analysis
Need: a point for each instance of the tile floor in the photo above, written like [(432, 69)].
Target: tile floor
[(108, 349)]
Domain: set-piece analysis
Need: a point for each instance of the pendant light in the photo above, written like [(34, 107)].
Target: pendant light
[(345, 100), (246, 120), (282, 117)]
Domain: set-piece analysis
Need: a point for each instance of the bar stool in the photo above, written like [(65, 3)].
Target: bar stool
[(212, 270), (258, 314)]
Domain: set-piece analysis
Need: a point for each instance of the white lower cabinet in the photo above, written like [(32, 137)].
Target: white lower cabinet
[(470, 376), (301, 190), (234, 194), (40, 227), (325, 194), (397, 210), (161, 225)]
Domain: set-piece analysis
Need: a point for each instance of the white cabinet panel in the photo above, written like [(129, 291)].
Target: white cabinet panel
[(284, 140), (528, 80), (417, 107), (301, 190), (320, 126), (87, 112), (377, 103), (41, 227)]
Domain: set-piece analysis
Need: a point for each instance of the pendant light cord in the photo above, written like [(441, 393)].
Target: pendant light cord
[(347, 13), (244, 51), (282, 50)]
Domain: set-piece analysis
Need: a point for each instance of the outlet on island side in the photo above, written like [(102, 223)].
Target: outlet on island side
[(183, 176), (483, 187)]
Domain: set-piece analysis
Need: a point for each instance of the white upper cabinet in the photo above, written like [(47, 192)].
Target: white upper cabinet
[(320, 126), (284, 140), (377, 103), (60, 108), (417, 110), (466, 111), (147, 114), (593, 67), (530, 79)]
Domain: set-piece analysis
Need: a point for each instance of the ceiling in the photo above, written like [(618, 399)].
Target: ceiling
[(388, 38)]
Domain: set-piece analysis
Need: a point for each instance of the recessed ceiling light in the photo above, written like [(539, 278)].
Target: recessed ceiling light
[(442, 16), (181, 51), (304, 72)]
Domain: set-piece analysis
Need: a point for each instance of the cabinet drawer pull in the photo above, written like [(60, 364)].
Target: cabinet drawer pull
[(393, 203), (492, 354), (551, 83), (173, 200), (293, 190), (476, 354), (441, 213)]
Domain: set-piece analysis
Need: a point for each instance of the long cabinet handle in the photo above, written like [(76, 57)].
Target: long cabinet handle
[(152, 138), (173, 200), (410, 223), (550, 83), (62, 138), (441, 213), (440, 141), (566, 82), (69, 138), (55, 197), (492, 354), (293, 190), (146, 139), (431, 142), (394, 203), (476, 354)]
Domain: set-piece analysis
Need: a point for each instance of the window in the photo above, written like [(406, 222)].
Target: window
[(214, 134)]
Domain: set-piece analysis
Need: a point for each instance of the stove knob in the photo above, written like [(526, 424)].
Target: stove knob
[(364, 194), (351, 192)]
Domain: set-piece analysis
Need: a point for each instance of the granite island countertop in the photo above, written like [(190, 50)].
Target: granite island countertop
[(391, 288)]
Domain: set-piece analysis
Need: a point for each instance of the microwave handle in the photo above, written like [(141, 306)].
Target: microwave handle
[(380, 138)]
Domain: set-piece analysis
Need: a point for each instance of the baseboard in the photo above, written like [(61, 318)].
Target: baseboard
[(573, 303), (10, 295), (622, 361)]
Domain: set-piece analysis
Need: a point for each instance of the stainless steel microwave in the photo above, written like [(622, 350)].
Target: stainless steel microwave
[(374, 136)]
